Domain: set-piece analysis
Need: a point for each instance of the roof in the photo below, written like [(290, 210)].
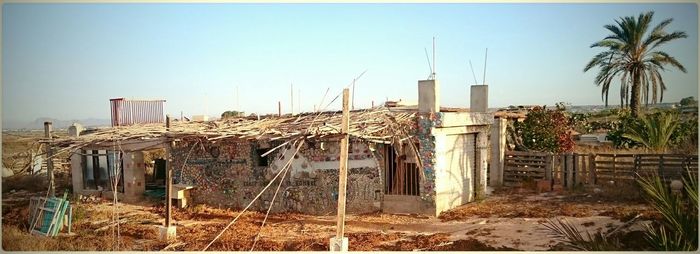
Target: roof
[(379, 124)]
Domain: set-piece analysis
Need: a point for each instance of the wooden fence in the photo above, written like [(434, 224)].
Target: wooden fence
[(571, 169), (521, 166)]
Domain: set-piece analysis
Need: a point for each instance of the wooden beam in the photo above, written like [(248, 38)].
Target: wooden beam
[(343, 169), (49, 161), (168, 178)]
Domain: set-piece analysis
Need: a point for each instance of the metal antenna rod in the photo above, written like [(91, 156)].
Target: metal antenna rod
[(430, 66), (485, 57), (352, 101), (434, 57), (473, 75)]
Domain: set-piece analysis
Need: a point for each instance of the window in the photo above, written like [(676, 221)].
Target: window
[(401, 175), (99, 171), (262, 161)]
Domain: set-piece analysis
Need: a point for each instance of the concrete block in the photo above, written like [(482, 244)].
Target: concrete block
[(428, 96), (339, 244), (479, 98), (166, 234)]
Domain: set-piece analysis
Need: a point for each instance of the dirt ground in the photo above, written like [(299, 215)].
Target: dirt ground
[(506, 220)]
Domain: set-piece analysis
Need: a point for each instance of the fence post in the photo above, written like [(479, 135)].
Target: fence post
[(614, 172), (570, 170), (577, 170), (591, 168), (548, 167)]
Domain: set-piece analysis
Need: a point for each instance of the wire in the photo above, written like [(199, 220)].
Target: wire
[(255, 199), (270, 208)]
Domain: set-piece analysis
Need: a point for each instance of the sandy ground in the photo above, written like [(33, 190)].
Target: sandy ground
[(504, 221)]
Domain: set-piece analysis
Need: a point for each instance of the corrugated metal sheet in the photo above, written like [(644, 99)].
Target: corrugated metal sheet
[(128, 112)]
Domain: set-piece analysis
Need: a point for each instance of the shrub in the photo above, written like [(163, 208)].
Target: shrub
[(545, 130)]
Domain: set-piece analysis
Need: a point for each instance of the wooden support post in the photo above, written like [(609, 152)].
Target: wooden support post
[(340, 243), (614, 173), (168, 178), (279, 108), (49, 160)]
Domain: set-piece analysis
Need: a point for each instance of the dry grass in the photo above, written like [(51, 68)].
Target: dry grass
[(521, 205)]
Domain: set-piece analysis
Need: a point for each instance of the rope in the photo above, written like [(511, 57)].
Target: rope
[(257, 236), (256, 197), (182, 170)]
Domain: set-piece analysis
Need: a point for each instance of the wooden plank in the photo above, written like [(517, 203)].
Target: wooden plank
[(526, 153), (168, 178), (343, 169)]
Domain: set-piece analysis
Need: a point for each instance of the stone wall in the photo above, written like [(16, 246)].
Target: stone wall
[(227, 174)]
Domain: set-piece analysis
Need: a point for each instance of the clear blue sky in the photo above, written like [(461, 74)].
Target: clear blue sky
[(67, 60)]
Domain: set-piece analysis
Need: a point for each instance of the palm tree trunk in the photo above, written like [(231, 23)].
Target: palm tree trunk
[(634, 103)]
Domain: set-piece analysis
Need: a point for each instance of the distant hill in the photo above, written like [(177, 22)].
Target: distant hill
[(38, 123)]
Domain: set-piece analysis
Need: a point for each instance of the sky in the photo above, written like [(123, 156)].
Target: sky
[(66, 61)]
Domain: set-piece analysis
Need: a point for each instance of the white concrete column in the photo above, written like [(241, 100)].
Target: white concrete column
[(428, 96), (498, 150), (482, 146), (76, 168)]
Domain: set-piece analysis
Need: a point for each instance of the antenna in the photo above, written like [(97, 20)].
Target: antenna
[(433, 57), (485, 57), (430, 66), (473, 75), (353, 88), (352, 104)]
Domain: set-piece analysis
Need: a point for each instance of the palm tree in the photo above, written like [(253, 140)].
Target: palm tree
[(632, 55), (654, 131)]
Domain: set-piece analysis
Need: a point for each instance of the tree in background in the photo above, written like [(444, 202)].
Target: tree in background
[(545, 131), (232, 113), (632, 56), (688, 101)]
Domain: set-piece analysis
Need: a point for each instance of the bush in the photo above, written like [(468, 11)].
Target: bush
[(545, 131)]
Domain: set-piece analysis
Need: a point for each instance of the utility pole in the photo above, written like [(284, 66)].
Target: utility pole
[(279, 108), (339, 242), (291, 90), (49, 160)]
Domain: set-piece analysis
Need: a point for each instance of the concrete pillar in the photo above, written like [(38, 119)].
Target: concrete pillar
[(134, 175), (482, 146), (479, 98), (428, 96), (76, 168), (498, 150)]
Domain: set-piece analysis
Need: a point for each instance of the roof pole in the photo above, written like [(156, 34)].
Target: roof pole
[(340, 243)]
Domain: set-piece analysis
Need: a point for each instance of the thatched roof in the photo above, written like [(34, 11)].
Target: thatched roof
[(382, 125)]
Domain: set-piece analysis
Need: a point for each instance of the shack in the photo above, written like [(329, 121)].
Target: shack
[(421, 160)]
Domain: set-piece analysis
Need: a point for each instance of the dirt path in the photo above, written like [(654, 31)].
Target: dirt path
[(504, 221)]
